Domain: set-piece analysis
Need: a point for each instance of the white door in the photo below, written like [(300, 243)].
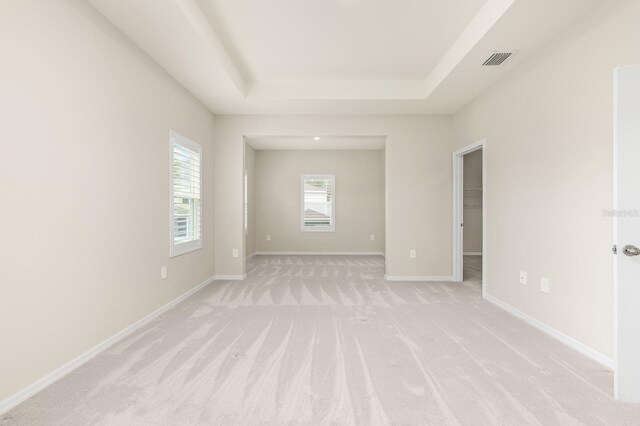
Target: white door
[(627, 232)]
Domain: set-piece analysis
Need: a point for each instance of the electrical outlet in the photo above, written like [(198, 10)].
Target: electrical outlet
[(163, 272), (235, 253), (523, 277), (544, 285), (268, 237), (412, 254), (373, 237)]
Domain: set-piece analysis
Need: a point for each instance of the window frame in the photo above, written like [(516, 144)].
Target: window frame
[(178, 249), (332, 226)]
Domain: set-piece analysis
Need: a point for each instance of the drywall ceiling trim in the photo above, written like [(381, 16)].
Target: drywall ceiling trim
[(486, 18), (180, 38), (165, 33), (203, 28), (337, 89), (479, 26), (322, 143)]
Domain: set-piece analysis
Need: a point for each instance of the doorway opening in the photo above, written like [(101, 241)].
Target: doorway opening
[(311, 197), (469, 193)]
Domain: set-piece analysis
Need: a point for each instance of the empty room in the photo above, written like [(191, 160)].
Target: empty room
[(336, 212)]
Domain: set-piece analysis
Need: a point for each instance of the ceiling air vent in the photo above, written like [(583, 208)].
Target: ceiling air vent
[(497, 58)]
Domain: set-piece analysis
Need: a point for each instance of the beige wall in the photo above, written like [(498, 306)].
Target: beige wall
[(418, 183), (359, 201), (250, 166), (86, 118), (85, 186), (472, 216), (549, 161)]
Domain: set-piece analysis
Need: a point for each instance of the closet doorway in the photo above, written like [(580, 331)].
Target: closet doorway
[(469, 189)]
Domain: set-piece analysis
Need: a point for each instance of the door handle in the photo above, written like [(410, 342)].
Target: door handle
[(630, 250)]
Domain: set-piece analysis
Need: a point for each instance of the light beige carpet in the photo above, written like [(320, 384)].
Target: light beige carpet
[(325, 340)]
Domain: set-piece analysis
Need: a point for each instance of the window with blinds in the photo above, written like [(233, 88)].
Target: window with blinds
[(318, 203), (186, 195)]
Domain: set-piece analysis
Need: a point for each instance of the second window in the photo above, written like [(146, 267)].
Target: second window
[(318, 203)]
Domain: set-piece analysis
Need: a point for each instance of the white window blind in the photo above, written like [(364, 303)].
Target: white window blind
[(186, 195), (318, 203)]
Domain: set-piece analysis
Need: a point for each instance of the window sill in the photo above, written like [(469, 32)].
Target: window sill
[(319, 229), (177, 250)]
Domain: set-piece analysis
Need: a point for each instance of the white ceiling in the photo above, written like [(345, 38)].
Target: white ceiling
[(324, 143), (338, 56), (338, 40)]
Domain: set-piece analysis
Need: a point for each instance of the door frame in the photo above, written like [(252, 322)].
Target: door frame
[(620, 349), (614, 206), (458, 210)]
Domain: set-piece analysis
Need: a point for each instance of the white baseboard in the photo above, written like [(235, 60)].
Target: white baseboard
[(558, 335), (250, 256), (472, 253), (230, 277), (67, 368), (418, 278), (317, 253)]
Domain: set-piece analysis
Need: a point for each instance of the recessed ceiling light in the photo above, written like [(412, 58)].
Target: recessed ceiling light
[(317, 138)]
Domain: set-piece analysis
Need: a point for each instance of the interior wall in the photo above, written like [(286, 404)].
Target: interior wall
[(418, 183), (85, 186), (548, 127), (250, 166), (359, 201), (472, 216)]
